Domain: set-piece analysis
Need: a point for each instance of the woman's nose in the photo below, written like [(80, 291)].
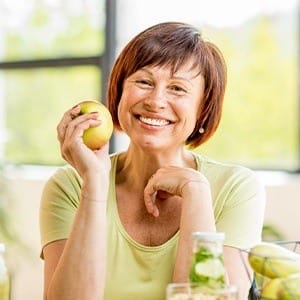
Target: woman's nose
[(156, 99)]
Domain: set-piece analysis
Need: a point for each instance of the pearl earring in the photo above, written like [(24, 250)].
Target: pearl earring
[(201, 130)]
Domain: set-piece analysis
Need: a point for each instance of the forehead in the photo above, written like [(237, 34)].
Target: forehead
[(187, 69)]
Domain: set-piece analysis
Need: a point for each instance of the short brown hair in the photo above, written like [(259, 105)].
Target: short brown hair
[(172, 44)]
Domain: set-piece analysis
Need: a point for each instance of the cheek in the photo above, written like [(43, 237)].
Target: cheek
[(125, 106), (191, 116), (129, 98), (124, 103), (190, 111)]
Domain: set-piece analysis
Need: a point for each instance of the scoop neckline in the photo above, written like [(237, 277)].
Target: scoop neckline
[(119, 224)]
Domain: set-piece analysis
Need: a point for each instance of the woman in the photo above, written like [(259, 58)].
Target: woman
[(119, 226)]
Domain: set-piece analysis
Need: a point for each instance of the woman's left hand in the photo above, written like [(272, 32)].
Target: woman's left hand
[(175, 181)]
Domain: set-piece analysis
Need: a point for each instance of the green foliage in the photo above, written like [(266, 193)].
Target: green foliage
[(50, 35), (7, 233), (36, 107), (271, 233), (259, 125)]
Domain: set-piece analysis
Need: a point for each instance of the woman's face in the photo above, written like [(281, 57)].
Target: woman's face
[(159, 110)]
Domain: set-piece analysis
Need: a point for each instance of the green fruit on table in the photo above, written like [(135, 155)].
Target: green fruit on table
[(286, 288), (96, 137), (273, 260)]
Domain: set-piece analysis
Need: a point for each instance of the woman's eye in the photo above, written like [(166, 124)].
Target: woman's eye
[(178, 89), (143, 82)]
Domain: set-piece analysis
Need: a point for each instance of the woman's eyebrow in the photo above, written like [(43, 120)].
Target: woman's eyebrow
[(146, 70), (184, 80)]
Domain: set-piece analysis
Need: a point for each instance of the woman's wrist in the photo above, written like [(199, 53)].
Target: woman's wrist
[(95, 189), (190, 186)]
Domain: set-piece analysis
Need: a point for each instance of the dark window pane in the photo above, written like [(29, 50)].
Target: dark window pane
[(35, 102)]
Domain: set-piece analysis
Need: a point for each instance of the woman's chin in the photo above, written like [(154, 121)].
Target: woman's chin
[(152, 145)]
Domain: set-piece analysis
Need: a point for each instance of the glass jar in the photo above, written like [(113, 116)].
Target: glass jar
[(207, 266), (4, 277)]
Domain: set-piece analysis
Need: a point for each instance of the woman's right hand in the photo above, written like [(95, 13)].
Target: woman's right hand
[(69, 132)]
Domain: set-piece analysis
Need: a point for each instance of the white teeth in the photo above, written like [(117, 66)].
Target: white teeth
[(155, 122)]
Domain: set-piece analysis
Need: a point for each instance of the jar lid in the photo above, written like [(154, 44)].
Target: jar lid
[(209, 236)]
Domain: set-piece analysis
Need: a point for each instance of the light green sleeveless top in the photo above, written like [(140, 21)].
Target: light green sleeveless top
[(138, 272)]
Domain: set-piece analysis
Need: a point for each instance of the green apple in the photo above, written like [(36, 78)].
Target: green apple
[(96, 137)]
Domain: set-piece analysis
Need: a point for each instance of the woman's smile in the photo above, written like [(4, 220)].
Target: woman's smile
[(154, 122)]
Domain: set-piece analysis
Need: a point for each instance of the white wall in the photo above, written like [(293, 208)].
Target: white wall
[(283, 206), (25, 266)]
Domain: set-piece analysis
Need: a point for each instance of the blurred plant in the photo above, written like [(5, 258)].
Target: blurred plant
[(270, 233), (7, 234)]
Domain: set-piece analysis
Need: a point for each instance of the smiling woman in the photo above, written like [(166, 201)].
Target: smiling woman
[(126, 220), (206, 60)]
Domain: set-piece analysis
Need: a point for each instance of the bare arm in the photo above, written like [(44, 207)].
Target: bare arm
[(196, 215), (196, 198), (75, 268), (199, 200), (238, 270), (52, 253)]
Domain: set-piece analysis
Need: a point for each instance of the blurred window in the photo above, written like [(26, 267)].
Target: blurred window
[(259, 39), (51, 56), (51, 28), (37, 100)]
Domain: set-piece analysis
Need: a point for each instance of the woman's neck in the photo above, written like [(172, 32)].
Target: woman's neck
[(136, 166)]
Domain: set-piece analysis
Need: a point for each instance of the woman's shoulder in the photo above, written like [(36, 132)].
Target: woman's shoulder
[(65, 174), (231, 183), (225, 172), (210, 164), (64, 183)]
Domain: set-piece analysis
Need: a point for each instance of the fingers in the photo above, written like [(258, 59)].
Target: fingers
[(77, 126), (151, 207), (66, 119), (149, 199), (103, 150), (171, 181), (70, 131), (72, 125)]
